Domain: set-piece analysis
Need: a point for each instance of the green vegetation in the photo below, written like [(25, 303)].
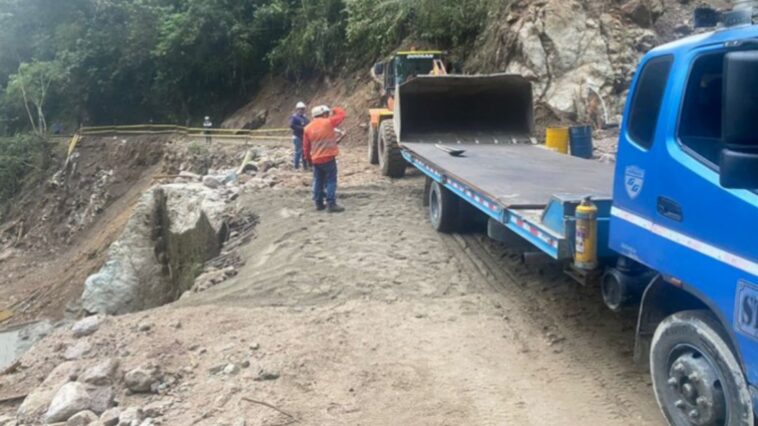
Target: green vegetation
[(98, 62), (126, 61), (21, 157)]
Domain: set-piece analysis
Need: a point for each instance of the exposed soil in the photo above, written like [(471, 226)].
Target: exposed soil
[(371, 317)]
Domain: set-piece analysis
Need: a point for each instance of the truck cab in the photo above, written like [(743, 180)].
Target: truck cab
[(685, 204)]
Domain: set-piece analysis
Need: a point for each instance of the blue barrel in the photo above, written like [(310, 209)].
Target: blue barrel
[(580, 138)]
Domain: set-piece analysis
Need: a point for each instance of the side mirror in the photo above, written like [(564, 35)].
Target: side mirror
[(739, 158), (378, 68)]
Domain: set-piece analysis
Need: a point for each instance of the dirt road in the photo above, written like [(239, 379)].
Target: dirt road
[(370, 317), (398, 324)]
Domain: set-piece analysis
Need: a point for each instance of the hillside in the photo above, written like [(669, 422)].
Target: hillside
[(579, 54)]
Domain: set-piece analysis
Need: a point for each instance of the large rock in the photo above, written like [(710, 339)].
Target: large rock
[(643, 12), (70, 399), (132, 416), (110, 417), (173, 228), (142, 379), (79, 350), (82, 418), (573, 53), (86, 326), (101, 374), (37, 402)]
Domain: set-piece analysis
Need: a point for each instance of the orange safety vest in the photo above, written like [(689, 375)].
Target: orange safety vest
[(320, 139)]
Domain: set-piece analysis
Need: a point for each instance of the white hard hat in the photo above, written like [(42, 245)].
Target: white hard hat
[(207, 118), (320, 110), (300, 105)]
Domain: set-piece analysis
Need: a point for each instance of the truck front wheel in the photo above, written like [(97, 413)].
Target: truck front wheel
[(443, 208), (373, 145), (696, 376), (390, 157)]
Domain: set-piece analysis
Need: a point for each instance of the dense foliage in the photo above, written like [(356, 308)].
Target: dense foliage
[(121, 61)]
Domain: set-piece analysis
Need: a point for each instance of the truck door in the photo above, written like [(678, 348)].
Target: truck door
[(635, 186), (709, 233)]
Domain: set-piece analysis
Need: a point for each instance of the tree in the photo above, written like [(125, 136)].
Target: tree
[(31, 86)]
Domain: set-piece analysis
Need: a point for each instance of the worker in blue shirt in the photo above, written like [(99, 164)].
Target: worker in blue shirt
[(297, 124)]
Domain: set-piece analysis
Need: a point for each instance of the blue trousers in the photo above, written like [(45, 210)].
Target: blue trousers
[(298, 142), (325, 183)]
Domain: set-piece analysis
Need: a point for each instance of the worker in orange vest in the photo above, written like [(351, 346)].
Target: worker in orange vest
[(320, 149)]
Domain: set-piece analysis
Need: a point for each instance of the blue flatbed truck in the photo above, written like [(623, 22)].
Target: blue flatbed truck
[(676, 219)]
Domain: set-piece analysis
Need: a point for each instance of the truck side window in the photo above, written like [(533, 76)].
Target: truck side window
[(646, 104), (700, 125)]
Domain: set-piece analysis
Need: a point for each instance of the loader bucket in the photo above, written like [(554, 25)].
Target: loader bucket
[(465, 109)]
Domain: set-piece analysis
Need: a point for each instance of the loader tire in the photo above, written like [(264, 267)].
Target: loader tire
[(391, 159), (373, 145)]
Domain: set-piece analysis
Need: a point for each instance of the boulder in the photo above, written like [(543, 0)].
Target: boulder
[(70, 399), (33, 407), (101, 398), (79, 350), (132, 416), (82, 418), (173, 227), (142, 379), (102, 373), (211, 182), (110, 417), (86, 326)]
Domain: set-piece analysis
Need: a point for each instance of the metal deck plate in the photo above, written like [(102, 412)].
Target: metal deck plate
[(520, 176)]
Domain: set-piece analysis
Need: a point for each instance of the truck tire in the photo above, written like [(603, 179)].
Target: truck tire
[(443, 208), (696, 376), (390, 158), (373, 146)]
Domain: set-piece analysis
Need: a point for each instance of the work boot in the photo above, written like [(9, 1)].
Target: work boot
[(320, 207), (335, 209)]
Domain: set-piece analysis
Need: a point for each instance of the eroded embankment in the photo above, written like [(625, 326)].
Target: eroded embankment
[(173, 231)]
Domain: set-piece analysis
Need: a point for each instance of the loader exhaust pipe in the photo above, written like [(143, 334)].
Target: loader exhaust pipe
[(465, 109)]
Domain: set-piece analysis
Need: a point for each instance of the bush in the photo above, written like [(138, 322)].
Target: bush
[(21, 158)]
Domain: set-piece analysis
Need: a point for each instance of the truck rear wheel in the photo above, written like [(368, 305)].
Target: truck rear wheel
[(373, 145), (390, 158), (443, 208), (696, 376)]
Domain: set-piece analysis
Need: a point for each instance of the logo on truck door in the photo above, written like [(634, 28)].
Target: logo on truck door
[(746, 311), (634, 178)]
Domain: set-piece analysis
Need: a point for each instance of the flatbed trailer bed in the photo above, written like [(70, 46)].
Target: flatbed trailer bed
[(527, 189)]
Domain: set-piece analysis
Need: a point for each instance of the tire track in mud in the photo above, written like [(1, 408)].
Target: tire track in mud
[(598, 365)]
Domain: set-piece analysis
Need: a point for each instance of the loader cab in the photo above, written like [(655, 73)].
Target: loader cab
[(405, 65)]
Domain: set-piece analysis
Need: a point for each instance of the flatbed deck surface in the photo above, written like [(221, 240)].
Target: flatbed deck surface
[(519, 175)]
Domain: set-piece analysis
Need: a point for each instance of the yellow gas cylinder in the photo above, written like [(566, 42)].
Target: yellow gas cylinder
[(557, 139), (585, 256)]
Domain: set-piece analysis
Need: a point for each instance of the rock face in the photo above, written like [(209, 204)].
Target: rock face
[(173, 228), (579, 54)]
